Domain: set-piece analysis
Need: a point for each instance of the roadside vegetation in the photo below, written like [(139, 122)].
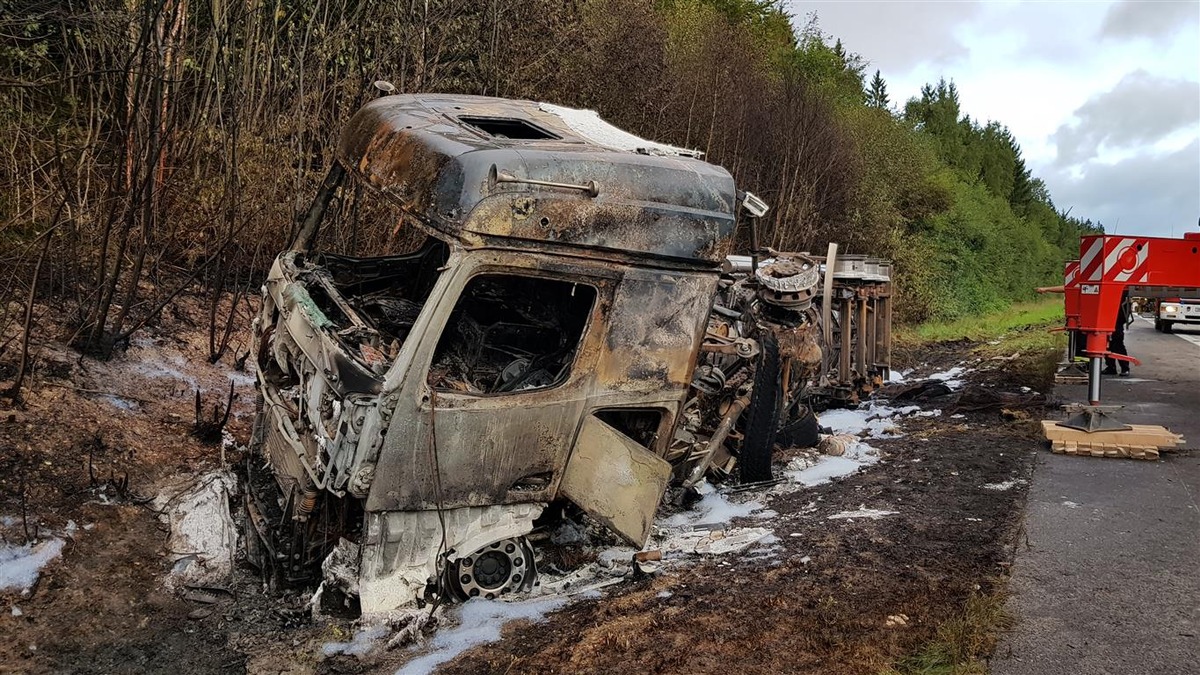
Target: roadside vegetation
[(1019, 317), (1023, 334), (964, 643), (156, 147)]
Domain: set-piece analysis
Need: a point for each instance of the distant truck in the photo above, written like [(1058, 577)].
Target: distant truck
[(1172, 311)]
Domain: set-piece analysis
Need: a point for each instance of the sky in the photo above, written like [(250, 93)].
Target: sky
[(1103, 97)]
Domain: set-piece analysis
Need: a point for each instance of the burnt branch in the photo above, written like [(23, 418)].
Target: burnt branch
[(209, 429)]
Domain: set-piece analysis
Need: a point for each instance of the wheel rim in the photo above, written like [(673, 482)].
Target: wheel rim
[(500, 568)]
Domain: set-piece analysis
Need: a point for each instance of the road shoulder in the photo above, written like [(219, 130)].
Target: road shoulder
[(1105, 577)]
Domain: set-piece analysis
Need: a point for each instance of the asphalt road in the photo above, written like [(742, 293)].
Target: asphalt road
[(1108, 580)]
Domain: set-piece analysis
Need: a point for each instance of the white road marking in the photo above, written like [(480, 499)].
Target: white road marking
[(1192, 338)]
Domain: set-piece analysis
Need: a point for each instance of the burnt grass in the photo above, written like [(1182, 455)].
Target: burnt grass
[(950, 540), (102, 608)]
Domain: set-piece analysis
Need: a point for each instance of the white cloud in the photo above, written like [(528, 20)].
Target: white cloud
[(1035, 67), (1139, 111), (1150, 193), (1154, 19), (895, 36)]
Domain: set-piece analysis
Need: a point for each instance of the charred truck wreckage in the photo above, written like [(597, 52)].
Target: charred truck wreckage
[(567, 327)]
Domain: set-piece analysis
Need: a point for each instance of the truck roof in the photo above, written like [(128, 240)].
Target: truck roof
[(521, 174)]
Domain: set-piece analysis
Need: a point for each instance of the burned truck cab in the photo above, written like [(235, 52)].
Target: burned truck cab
[(532, 342)]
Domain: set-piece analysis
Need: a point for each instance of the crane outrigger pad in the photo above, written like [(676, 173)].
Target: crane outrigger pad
[(1092, 418)]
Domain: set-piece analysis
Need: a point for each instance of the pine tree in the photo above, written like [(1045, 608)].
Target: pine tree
[(877, 96)]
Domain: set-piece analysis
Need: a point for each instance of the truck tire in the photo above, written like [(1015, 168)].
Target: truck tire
[(1166, 326), (1158, 324), (762, 417), (802, 431)]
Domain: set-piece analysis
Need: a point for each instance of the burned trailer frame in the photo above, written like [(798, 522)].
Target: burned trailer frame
[(859, 345), (854, 322), (420, 411)]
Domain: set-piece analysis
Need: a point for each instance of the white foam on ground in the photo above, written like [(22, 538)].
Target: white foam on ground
[(825, 470), (855, 421), (950, 377), (873, 420), (862, 512), (615, 555), (153, 363), (246, 379), (731, 541), (897, 377), (120, 403), (584, 579), (20, 566), (364, 641), (1006, 485), (713, 508), (479, 622), (857, 456)]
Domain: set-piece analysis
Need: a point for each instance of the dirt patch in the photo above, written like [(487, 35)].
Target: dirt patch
[(104, 609), (88, 445)]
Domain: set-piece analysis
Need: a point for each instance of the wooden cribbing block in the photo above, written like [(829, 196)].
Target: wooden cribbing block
[(1141, 441)]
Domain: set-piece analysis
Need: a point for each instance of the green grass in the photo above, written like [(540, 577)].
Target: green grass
[(1046, 312), (1024, 328), (962, 643)]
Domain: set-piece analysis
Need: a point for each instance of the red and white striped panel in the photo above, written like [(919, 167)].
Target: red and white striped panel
[(1116, 259), (1071, 274)]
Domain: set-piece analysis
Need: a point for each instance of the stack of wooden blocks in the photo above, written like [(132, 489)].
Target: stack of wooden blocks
[(1142, 441)]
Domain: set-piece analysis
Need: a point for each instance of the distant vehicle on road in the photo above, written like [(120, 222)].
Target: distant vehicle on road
[(1176, 310)]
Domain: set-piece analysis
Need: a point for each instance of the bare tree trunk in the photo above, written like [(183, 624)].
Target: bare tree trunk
[(14, 392)]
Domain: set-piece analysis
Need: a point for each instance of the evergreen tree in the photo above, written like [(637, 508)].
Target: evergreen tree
[(877, 96)]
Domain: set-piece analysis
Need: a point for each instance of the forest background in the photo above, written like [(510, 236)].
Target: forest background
[(154, 147)]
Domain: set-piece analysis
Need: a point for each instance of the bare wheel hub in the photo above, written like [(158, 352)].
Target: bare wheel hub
[(503, 567)]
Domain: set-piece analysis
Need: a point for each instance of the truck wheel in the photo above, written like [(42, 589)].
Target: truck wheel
[(762, 417), (1158, 325), (1166, 326), (802, 432)]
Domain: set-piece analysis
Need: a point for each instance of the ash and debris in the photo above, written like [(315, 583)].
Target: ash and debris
[(203, 537)]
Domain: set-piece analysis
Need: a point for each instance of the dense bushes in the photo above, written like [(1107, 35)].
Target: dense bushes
[(163, 143)]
